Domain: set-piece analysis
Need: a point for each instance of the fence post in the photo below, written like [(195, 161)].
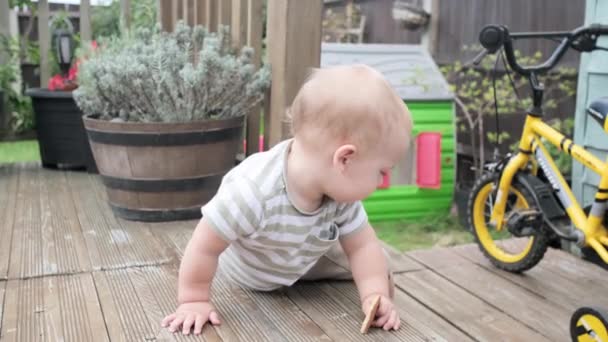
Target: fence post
[(190, 12), (294, 46), (44, 41), (4, 27), (85, 20), (165, 14), (238, 27), (224, 13), (211, 12), (125, 13), (201, 13), (254, 29)]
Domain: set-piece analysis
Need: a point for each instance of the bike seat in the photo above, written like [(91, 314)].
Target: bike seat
[(598, 109)]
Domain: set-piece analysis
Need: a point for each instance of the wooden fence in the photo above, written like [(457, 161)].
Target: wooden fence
[(293, 44), (459, 23)]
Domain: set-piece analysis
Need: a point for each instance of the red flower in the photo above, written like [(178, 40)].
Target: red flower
[(61, 82), (56, 82)]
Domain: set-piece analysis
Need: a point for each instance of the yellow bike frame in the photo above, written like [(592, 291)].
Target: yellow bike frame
[(596, 235)]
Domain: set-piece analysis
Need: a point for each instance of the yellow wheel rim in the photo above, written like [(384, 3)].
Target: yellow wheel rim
[(484, 232), (591, 322)]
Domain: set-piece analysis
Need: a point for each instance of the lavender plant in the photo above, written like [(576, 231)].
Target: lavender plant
[(153, 76)]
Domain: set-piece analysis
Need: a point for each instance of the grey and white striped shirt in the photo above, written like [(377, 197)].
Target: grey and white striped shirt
[(272, 243)]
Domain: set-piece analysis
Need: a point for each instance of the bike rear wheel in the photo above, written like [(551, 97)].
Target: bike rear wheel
[(589, 324), (504, 249)]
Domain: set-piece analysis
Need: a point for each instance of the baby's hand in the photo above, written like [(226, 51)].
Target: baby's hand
[(193, 314), (386, 316)]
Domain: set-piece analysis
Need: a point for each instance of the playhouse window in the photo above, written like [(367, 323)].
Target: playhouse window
[(404, 173)]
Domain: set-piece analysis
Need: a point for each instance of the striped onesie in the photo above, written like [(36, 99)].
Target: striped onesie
[(273, 243)]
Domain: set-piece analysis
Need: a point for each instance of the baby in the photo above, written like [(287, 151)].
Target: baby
[(294, 212)]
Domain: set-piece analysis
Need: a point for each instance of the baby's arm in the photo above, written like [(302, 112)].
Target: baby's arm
[(196, 272), (370, 272)]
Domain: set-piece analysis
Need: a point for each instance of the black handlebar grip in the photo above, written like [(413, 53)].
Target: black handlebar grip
[(598, 29), (492, 37)]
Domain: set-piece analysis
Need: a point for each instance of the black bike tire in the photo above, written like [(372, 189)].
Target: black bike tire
[(541, 238)]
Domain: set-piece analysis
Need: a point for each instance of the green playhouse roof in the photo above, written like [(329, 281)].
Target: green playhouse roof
[(409, 68)]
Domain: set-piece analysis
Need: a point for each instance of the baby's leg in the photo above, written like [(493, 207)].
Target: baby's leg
[(334, 265)]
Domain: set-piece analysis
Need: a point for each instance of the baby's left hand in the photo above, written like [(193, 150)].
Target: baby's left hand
[(387, 317)]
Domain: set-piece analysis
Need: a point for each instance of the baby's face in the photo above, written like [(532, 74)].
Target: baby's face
[(364, 173)]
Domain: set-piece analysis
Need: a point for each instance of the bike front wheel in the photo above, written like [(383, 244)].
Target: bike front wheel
[(503, 248)]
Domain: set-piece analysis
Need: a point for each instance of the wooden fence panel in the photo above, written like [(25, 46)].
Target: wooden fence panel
[(294, 46), (460, 21)]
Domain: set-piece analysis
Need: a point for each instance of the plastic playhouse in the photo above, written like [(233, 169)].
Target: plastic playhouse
[(423, 184)]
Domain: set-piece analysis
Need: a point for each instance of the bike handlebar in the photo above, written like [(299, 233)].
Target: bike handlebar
[(493, 37)]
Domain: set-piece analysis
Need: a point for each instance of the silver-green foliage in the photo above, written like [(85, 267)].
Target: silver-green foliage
[(154, 76)]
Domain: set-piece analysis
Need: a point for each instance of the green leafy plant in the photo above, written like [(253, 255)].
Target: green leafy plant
[(474, 95), (154, 76), (105, 20), (28, 50), (19, 106)]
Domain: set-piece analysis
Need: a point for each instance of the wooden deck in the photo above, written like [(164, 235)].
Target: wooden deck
[(71, 271)]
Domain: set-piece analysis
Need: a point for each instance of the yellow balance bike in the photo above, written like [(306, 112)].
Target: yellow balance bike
[(522, 202)]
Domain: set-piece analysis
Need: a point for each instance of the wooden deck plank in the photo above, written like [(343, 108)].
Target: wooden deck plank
[(62, 224), (157, 290), (22, 321), (407, 331), (542, 280), (112, 242), (160, 283), (530, 309), (2, 296), (275, 302), (53, 308), (338, 324), (9, 182), (123, 310), (575, 269), (463, 309), (135, 300), (286, 316), (104, 252), (47, 234), (340, 319), (63, 245), (240, 312), (147, 249), (26, 259), (398, 262), (289, 319), (411, 312)]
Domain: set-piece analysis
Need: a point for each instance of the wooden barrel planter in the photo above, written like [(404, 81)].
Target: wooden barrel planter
[(61, 135), (163, 171)]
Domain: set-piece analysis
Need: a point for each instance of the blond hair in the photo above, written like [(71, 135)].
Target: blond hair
[(347, 104)]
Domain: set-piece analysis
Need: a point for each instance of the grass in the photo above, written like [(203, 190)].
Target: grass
[(424, 233), (19, 151)]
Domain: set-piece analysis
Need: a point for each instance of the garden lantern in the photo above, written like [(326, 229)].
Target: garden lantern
[(64, 47), (63, 42)]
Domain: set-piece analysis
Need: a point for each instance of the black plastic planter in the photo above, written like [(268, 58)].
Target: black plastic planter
[(61, 135)]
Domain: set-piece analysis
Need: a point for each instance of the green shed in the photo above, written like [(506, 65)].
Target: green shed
[(592, 84), (417, 79)]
